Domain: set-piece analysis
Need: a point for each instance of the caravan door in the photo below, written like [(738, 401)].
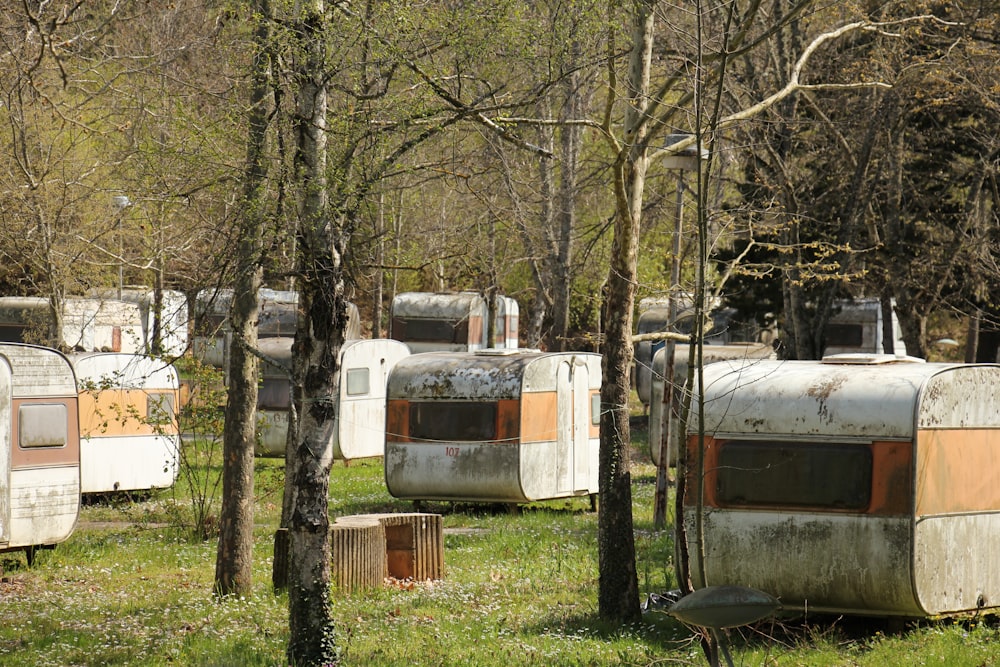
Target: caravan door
[(581, 428), (572, 428)]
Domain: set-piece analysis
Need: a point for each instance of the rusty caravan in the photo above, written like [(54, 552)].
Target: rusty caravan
[(39, 448), (88, 324), (129, 438), (658, 414), (859, 485), (359, 431), (453, 321), (493, 426)]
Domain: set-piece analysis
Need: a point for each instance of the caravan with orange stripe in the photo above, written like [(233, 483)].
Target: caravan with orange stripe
[(860, 484), (493, 426), (129, 435)]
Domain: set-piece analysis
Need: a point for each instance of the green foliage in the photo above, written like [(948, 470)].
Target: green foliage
[(201, 420)]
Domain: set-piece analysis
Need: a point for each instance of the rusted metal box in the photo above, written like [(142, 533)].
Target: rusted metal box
[(865, 484), (500, 426)]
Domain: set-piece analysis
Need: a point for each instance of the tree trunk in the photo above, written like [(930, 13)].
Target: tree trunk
[(571, 140), (618, 590), (234, 558), (318, 339)]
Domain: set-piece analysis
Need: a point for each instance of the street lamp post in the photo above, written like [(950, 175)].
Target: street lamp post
[(121, 202), (686, 159)]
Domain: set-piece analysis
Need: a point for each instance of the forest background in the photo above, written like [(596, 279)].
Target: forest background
[(512, 147), (875, 191)]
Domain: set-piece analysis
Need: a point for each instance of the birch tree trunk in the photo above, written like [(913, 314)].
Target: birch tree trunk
[(318, 339)]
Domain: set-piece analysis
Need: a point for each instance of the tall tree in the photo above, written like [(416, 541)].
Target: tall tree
[(234, 558)]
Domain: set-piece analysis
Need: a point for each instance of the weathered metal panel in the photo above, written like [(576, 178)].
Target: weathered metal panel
[(955, 562), (45, 505), (488, 472), (810, 398), (958, 397), (39, 371), (814, 561), (747, 353), (442, 375)]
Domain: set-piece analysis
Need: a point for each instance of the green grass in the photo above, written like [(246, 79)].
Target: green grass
[(131, 587)]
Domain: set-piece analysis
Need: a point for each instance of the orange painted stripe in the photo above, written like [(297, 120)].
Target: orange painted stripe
[(115, 412), (397, 420), (958, 470), (538, 416), (508, 419)]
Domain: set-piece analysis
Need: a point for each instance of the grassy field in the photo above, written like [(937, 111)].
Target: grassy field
[(131, 587)]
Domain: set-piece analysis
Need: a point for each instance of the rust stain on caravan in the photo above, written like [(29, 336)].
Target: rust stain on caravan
[(823, 390)]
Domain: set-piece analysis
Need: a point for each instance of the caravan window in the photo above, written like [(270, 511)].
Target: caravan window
[(358, 383), (430, 331), (794, 474), (42, 425), (160, 407), (844, 335), (451, 421), (274, 394)]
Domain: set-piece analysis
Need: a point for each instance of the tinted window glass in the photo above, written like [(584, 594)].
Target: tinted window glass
[(451, 421), (792, 474), (432, 331), (844, 335)]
